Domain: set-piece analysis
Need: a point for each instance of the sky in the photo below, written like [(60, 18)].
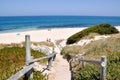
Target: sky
[(59, 7)]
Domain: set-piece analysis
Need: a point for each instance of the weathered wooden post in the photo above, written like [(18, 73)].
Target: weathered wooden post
[(51, 59), (80, 57), (28, 53), (28, 57), (103, 68), (83, 63), (53, 52), (49, 63)]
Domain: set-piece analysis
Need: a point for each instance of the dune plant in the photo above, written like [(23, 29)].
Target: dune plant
[(100, 29), (45, 43), (92, 71), (12, 59), (93, 51)]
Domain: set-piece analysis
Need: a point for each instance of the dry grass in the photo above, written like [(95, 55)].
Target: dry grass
[(96, 48), (12, 59), (49, 44), (16, 52), (59, 41), (71, 50), (90, 36), (3, 45), (22, 44), (93, 51), (11, 45), (103, 47)]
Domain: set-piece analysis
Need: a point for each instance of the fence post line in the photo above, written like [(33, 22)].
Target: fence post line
[(103, 68), (28, 57)]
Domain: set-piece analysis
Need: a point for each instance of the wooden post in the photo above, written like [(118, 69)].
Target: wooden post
[(53, 52), (28, 53), (103, 68), (49, 63), (83, 63), (80, 57), (28, 57)]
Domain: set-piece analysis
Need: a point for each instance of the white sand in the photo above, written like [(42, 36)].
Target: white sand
[(38, 35)]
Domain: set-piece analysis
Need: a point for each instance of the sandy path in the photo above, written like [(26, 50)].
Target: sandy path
[(60, 69)]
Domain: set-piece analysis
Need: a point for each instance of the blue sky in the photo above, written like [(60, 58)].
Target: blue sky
[(60, 7)]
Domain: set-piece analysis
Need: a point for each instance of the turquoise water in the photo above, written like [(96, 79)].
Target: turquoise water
[(20, 23)]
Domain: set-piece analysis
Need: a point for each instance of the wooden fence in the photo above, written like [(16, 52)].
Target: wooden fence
[(28, 69), (102, 63)]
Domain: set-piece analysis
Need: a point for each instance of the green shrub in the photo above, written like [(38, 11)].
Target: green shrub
[(109, 47), (92, 71), (93, 51), (12, 59), (100, 29), (39, 76)]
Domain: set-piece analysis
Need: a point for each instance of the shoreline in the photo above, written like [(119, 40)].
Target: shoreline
[(40, 35), (36, 29)]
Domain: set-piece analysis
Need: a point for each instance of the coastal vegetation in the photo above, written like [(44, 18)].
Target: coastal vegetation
[(45, 43), (93, 51), (22, 44), (100, 29), (12, 59)]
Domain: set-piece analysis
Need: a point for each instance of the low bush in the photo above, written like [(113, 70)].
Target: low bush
[(92, 71), (100, 29), (93, 51), (12, 59)]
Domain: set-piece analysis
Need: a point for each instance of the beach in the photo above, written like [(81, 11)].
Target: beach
[(60, 66), (40, 35)]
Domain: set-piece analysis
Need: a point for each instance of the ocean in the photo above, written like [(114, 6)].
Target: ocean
[(23, 23)]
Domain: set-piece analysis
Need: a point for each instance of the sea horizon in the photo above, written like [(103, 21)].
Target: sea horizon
[(59, 15)]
